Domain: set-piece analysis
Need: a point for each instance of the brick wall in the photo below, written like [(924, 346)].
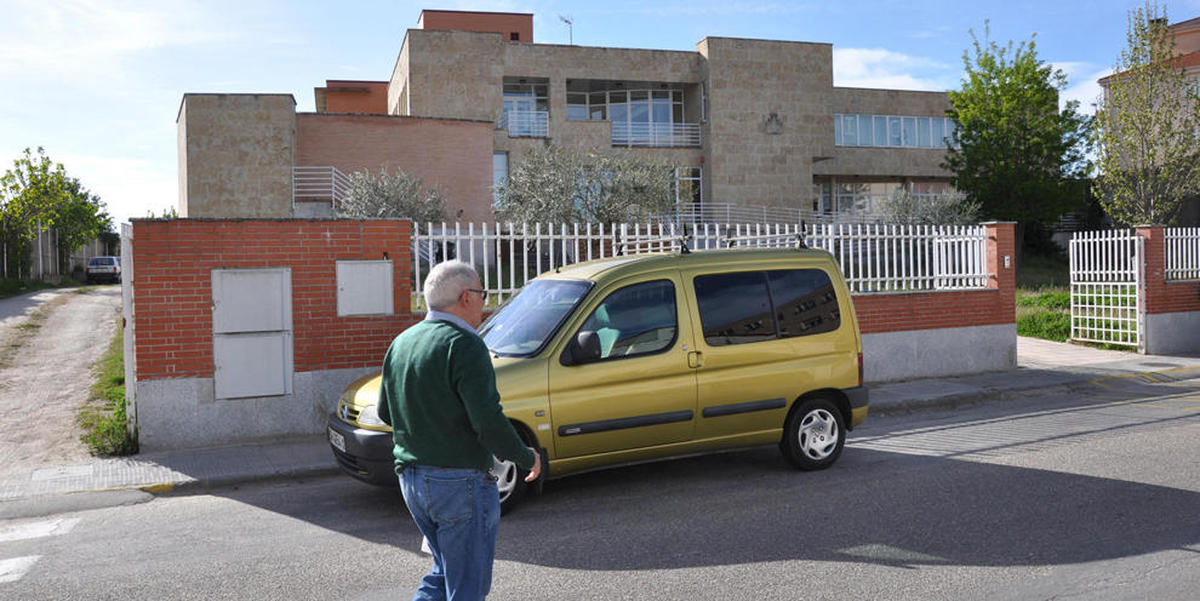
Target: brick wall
[(173, 262), (931, 310), (453, 156), (1163, 296)]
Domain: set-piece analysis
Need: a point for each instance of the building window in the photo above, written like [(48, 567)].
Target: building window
[(514, 36), (526, 106), (892, 131), (688, 187), (499, 173)]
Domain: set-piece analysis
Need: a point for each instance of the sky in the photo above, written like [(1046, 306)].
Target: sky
[(98, 83)]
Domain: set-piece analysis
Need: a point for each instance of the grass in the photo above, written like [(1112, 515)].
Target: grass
[(1044, 302), (103, 418), (14, 287)]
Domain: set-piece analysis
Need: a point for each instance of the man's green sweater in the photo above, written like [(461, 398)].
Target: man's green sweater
[(439, 395)]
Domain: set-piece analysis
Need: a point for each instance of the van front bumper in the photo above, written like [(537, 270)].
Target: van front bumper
[(363, 454)]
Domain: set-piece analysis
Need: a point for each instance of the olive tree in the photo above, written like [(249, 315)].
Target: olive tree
[(563, 185), (949, 208), (390, 195)]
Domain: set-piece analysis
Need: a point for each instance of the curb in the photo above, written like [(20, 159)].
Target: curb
[(1083, 380)]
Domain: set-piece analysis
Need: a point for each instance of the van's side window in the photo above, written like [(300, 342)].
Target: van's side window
[(805, 302), (635, 320), (735, 308)]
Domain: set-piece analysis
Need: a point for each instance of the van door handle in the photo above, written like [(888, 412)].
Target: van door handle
[(695, 359)]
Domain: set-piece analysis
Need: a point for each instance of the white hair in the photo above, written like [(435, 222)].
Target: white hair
[(446, 283)]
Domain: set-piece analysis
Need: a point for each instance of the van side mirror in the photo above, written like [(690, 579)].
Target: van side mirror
[(584, 348)]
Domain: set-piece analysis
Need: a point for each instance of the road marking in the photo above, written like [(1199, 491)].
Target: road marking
[(37, 529), (12, 570)]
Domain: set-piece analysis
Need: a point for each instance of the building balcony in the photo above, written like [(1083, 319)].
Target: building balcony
[(655, 135), (319, 184), (525, 124)]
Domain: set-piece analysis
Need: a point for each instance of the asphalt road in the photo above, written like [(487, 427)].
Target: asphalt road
[(1092, 494)]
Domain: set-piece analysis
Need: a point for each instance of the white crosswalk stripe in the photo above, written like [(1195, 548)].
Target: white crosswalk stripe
[(37, 529), (12, 570)]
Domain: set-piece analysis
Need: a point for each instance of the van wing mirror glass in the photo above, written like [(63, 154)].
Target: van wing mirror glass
[(584, 348)]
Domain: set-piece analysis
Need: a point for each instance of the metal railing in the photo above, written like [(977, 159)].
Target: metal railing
[(873, 258), (319, 184), (525, 124), (655, 135), (731, 213), (1183, 253)]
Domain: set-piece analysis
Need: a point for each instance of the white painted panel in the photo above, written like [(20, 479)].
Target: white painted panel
[(250, 365), (364, 288), (251, 300)]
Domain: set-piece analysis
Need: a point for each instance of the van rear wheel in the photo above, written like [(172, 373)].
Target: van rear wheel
[(813, 435)]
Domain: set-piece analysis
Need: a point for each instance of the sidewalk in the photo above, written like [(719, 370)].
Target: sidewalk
[(1042, 365)]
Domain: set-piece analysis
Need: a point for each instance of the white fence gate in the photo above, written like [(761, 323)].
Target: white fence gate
[(1107, 271)]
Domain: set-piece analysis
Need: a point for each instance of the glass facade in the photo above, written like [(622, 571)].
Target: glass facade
[(892, 131)]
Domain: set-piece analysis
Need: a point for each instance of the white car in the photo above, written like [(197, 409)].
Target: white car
[(103, 268)]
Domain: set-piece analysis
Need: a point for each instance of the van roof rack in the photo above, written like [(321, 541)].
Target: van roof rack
[(676, 243)]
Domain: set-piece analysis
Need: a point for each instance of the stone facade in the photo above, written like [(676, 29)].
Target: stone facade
[(236, 154)]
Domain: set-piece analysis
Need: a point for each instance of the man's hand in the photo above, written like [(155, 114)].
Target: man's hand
[(537, 466)]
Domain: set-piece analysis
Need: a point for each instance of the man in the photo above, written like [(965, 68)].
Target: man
[(439, 395)]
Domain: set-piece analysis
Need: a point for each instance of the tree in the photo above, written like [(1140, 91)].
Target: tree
[(953, 208), (36, 194), (1147, 128), (561, 185), (386, 195), (1013, 148)]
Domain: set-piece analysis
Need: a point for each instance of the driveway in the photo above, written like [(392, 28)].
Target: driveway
[(48, 376)]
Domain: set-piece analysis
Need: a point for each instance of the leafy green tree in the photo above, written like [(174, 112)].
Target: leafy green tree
[(561, 185), (1013, 148), (953, 208), (388, 195), (1147, 132), (37, 193)]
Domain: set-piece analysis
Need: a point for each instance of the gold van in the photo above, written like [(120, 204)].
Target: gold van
[(645, 357)]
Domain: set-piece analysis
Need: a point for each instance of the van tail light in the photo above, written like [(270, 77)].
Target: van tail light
[(860, 369)]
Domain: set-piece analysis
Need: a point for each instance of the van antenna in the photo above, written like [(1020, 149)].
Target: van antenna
[(800, 243)]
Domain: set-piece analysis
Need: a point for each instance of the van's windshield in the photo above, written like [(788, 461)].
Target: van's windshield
[(527, 321)]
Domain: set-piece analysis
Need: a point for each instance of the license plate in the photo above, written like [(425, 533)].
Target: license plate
[(337, 440)]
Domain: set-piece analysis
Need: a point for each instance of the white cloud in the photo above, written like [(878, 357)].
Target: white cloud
[(129, 187), (75, 41), (879, 68), (1082, 84)]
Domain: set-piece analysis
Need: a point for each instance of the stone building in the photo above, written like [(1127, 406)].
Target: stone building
[(748, 123)]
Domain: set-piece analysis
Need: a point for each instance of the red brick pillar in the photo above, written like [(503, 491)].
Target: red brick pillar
[(1154, 279), (1001, 257)]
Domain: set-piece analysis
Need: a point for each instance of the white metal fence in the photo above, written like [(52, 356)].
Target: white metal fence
[(873, 258), (1183, 253), (1106, 276)]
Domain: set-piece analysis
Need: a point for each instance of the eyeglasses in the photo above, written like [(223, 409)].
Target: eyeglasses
[(482, 293)]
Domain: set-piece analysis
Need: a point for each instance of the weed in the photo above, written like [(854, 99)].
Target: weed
[(103, 418)]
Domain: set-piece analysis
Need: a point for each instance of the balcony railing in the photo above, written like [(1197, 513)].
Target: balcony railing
[(319, 184), (525, 124), (656, 135)]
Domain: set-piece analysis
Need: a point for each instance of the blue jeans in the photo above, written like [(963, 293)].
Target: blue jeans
[(458, 511)]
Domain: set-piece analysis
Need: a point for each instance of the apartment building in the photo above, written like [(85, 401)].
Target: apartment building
[(748, 123)]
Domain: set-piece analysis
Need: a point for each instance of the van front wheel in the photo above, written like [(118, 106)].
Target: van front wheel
[(813, 435)]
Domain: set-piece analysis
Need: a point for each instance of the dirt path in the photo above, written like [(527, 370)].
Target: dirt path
[(47, 378)]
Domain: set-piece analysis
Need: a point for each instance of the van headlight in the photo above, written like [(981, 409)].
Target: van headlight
[(369, 416)]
